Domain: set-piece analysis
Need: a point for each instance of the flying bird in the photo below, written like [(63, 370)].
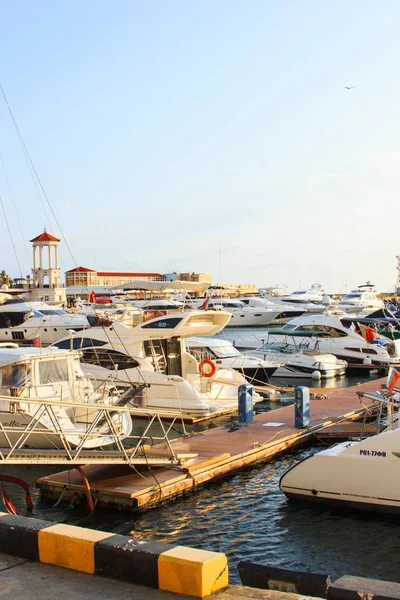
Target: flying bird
[(346, 87)]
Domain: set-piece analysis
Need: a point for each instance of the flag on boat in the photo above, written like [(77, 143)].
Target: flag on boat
[(392, 378), (205, 303)]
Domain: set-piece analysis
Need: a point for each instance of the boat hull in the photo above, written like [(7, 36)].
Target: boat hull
[(357, 475)]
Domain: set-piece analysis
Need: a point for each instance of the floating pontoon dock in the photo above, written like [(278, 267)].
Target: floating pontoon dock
[(215, 453)]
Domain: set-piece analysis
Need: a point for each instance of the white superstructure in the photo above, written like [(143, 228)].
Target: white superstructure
[(243, 315), (154, 353)]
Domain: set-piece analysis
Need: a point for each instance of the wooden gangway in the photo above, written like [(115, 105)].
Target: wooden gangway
[(215, 453)]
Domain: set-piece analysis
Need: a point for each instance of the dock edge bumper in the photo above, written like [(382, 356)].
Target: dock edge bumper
[(179, 569)]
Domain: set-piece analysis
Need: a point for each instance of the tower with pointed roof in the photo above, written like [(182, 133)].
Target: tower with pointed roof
[(46, 272)]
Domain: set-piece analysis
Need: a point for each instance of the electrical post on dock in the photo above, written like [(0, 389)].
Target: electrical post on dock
[(245, 404), (301, 407)]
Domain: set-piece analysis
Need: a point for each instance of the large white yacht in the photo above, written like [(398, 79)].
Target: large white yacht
[(298, 361), (331, 334), (154, 352), (363, 299), (313, 299), (357, 475), (242, 315), (285, 314), (32, 379), (25, 322)]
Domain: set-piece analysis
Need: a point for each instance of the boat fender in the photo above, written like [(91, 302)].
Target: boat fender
[(369, 335), (316, 375), (367, 361), (207, 368)]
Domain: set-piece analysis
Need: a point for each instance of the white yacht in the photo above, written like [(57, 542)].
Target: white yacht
[(224, 354), (50, 375), (27, 322), (298, 361), (357, 475), (242, 315), (333, 334), (313, 299), (363, 299), (285, 314), (154, 353)]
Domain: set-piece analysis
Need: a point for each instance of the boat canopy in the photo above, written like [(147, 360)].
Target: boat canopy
[(9, 356), (162, 286)]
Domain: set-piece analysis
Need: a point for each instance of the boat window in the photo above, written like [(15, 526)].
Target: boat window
[(170, 323), (53, 370), (108, 359), (299, 293), (289, 327), (154, 307), (78, 343), (12, 319), (323, 329), (351, 296), (363, 350), (12, 377)]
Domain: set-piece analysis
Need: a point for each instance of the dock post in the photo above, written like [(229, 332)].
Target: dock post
[(301, 407), (245, 404)]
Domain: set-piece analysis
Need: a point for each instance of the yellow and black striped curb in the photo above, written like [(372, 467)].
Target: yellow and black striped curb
[(178, 569)]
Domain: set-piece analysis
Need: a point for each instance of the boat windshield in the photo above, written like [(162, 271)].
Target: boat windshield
[(299, 293), (281, 347), (289, 327), (225, 351)]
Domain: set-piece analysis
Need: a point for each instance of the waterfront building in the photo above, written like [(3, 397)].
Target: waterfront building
[(82, 276), (46, 273)]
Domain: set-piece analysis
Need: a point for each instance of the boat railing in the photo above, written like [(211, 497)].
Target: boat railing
[(18, 447)]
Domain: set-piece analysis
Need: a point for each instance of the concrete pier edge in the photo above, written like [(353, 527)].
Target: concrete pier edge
[(178, 569)]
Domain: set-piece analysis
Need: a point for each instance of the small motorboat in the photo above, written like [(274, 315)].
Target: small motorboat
[(299, 361), (46, 401)]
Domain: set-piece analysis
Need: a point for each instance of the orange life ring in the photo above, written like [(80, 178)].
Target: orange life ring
[(207, 368), (369, 335)]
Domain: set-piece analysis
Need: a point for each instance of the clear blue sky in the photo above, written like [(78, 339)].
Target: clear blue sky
[(160, 127)]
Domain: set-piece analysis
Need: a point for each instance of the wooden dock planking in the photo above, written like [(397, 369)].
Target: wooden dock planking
[(219, 453)]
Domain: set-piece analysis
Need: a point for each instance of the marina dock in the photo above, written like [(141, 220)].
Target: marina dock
[(215, 453)]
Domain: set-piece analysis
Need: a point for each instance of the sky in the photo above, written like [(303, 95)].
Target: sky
[(213, 136)]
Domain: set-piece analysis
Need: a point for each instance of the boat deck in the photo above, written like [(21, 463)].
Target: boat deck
[(216, 452)]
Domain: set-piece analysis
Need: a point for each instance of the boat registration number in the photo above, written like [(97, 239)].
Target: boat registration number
[(372, 453)]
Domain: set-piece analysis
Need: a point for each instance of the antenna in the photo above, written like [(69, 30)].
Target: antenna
[(220, 267)]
